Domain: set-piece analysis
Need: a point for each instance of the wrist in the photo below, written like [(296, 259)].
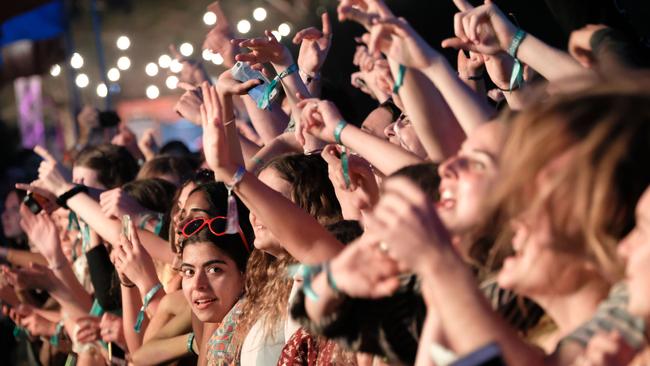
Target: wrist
[(63, 188), (283, 62), (145, 284), (226, 173)]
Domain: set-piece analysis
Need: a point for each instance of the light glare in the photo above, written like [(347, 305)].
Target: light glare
[(151, 69), (123, 43), (244, 26), (186, 49), (259, 14), (152, 92), (171, 82), (113, 74), (209, 18), (76, 61), (123, 63), (82, 80), (55, 70), (164, 61), (284, 29), (102, 90)]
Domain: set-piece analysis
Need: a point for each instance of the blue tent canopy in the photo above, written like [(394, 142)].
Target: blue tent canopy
[(43, 22)]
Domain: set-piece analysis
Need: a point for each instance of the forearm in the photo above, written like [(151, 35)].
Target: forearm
[(310, 244), (328, 302), (468, 322), (172, 326), (383, 155), (131, 304), (232, 134), (69, 303), (109, 229), (248, 147), (469, 108), (269, 124), (283, 144), (146, 284), (51, 315), (161, 351), (23, 258), (436, 126), (550, 62)]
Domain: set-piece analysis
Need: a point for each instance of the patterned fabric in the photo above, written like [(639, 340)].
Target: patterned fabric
[(221, 351), (611, 315), (390, 327), (304, 349)]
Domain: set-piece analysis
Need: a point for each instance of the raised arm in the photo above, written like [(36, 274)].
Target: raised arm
[(312, 243), (52, 181), (403, 46), (321, 119), (496, 35)]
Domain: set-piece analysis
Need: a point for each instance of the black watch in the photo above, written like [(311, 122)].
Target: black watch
[(62, 200)]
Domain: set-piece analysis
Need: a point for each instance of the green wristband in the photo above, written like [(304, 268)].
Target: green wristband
[(337, 131)]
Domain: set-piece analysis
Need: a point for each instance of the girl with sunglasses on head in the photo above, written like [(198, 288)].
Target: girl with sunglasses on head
[(276, 219), (212, 266)]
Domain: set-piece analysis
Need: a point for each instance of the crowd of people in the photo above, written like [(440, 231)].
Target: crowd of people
[(499, 209)]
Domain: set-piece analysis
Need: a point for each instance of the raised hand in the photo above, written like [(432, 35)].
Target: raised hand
[(52, 176), (86, 329), (47, 199), (362, 270), (362, 193), (215, 143), (116, 203), (406, 222), (147, 144), (111, 328), (314, 46), (264, 49), (35, 324), (395, 38), (227, 85), (42, 232), (33, 277), (606, 349), (319, 118), (133, 260), (363, 11), (192, 71), (188, 106), (126, 138), (219, 37), (469, 66), (484, 29)]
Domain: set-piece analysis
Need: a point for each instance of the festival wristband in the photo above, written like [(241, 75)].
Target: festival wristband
[(337, 131), (264, 101), (345, 164), (62, 200), (330, 278), (145, 303), (399, 81), (190, 343)]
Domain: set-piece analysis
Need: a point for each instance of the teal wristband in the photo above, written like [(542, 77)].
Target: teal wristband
[(190, 343), (54, 339), (265, 101), (399, 81), (337, 131), (516, 42), (145, 303), (345, 164)]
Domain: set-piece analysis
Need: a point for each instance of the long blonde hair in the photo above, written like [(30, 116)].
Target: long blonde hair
[(604, 134)]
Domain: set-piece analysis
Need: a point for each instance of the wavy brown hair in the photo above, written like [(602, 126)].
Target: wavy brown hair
[(603, 134), (267, 283)]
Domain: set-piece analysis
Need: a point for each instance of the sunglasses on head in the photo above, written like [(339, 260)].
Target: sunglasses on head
[(217, 225)]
